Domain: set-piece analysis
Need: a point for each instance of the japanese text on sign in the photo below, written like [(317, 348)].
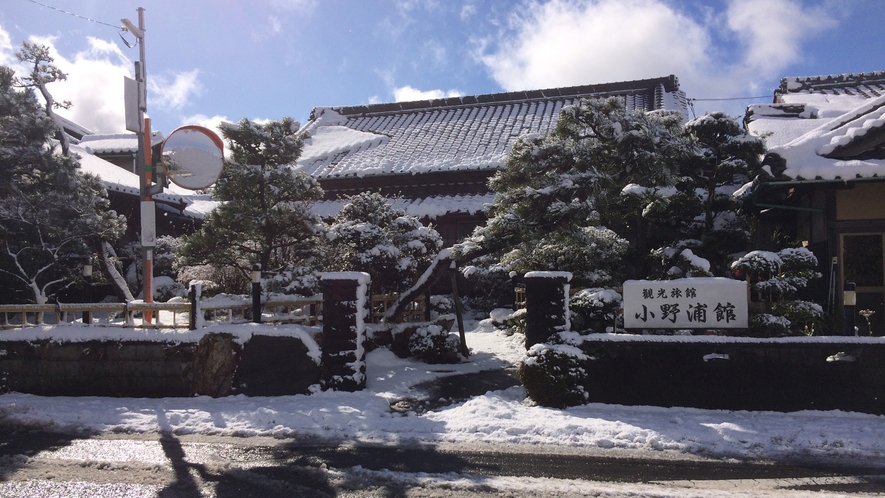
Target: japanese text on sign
[(687, 303)]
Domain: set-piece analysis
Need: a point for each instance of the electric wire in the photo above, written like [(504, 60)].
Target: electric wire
[(732, 98), (73, 14), (692, 101)]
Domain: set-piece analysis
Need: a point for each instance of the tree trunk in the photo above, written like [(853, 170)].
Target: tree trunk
[(110, 270), (459, 315)]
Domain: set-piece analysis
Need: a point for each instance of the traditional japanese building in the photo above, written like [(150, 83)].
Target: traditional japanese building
[(437, 155), (826, 181)]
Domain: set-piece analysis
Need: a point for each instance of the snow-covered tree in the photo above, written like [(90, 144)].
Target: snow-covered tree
[(44, 72), (776, 279), (51, 215), (558, 192), (558, 197), (372, 236), (264, 216), (728, 157)]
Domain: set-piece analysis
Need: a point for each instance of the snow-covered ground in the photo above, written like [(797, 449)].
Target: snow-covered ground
[(499, 418)]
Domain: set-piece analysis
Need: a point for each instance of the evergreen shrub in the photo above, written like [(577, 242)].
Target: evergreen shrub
[(553, 375), (434, 344)]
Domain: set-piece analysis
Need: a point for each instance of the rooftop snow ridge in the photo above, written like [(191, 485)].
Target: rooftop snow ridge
[(666, 84), (867, 84)]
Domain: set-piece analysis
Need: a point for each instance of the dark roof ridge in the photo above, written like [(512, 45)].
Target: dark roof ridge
[(670, 84), (796, 84)]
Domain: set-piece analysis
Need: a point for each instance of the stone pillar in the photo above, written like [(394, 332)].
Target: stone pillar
[(546, 303), (345, 313)]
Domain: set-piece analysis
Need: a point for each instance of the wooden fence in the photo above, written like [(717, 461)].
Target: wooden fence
[(303, 311), (416, 312)]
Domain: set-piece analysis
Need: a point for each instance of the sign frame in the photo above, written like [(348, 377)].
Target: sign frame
[(686, 303)]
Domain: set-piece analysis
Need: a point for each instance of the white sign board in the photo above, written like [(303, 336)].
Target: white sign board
[(148, 224), (687, 303), (130, 106)]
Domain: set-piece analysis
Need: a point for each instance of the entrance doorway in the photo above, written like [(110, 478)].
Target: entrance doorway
[(863, 262)]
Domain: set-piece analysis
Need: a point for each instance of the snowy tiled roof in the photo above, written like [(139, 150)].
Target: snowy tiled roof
[(116, 144), (826, 127), (459, 133), (431, 207), (865, 85), (74, 130), (117, 179)]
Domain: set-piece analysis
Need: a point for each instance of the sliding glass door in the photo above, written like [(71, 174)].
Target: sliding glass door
[(862, 263)]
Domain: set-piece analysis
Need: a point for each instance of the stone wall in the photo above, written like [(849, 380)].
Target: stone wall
[(216, 366), (777, 376)]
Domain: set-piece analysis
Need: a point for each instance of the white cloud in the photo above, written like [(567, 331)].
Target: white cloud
[(565, 42), (576, 42), (435, 52), (302, 6), (7, 57), (275, 25), (176, 93), (772, 31), (408, 94), (206, 121), (468, 11), (94, 84)]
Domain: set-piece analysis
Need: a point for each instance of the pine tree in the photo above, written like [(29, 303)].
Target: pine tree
[(370, 235), (559, 196), (264, 216), (727, 158), (559, 192), (776, 279), (51, 214)]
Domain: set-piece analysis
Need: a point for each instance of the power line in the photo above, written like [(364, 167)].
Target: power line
[(732, 98), (72, 14)]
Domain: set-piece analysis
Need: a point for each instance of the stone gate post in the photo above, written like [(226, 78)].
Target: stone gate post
[(345, 313), (546, 303)]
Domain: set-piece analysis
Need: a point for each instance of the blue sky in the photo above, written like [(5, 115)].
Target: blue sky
[(226, 59)]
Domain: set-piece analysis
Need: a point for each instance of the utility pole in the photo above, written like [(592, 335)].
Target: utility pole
[(142, 127)]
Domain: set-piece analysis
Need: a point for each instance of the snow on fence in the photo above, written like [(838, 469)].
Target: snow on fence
[(415, 312), (175, 314)]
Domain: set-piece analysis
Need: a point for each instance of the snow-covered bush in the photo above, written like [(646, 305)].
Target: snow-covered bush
[(163, 266), (768, 325), (680, 260), (292, 279), (757, 266), (434, 344), (553, 375), (166, 288), (441, 305), (213, 279), (593, 255), (594, 309), (371, 236), (488, 284), (776, 279)]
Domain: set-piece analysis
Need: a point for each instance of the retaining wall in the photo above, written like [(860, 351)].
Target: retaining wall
[(784, 375), (215, 366)]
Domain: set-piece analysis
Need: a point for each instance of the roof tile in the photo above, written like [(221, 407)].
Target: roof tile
[(473, 132)]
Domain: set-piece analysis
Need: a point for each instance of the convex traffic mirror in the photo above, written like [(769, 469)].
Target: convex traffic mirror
[(193, 157)]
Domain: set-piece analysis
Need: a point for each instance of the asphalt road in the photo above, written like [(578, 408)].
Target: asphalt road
[(35, 463)]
